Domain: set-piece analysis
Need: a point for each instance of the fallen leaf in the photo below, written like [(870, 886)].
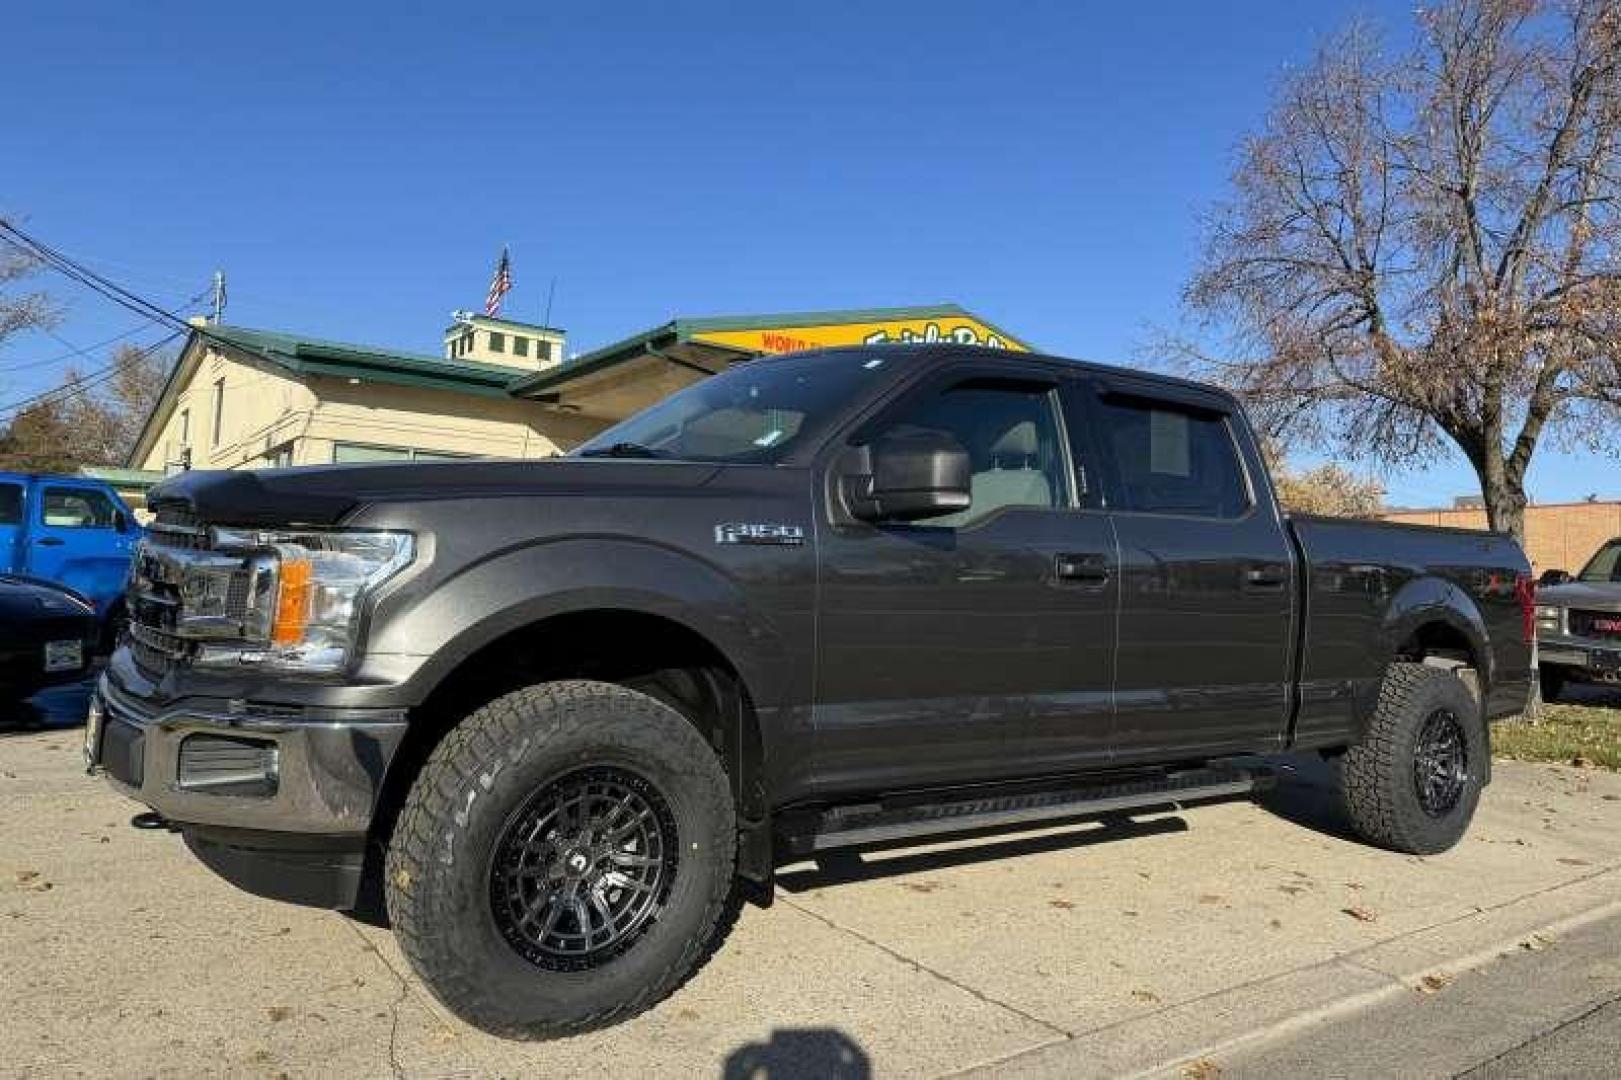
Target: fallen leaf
[(1360, 914), (278, 1013), (1064, 905), (1434, 983), (921, 886), (1354, 885), (1292, 890), (1581, 762), (1212, 898), (1128, 913), (1537, 942), (1276, 924), (1203, 1069), (1575, 862), (1145, 996)]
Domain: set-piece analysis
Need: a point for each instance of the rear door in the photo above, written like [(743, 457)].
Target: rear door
[(1207, 576), (11, 525), (80, 537), (977, 645)]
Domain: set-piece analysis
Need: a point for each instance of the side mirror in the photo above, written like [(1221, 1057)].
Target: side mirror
[(910, 475), (121, 521), (1553, 577)]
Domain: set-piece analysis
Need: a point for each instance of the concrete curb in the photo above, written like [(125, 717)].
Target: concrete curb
[(1161, 1043)]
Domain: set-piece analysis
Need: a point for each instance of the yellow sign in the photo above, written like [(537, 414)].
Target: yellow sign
[(952, 329)]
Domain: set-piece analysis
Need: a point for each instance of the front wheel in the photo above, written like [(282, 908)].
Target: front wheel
[(1414, 781), (563, 861)]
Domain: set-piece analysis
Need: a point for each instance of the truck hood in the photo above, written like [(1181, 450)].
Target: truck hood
[(326, 494), (1580, 594)]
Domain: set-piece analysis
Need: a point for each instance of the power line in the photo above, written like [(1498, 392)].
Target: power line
[(61, 263), (27, 365), (87, 382)]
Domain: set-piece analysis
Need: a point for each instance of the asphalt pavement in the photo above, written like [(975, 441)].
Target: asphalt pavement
[(1160, 943)]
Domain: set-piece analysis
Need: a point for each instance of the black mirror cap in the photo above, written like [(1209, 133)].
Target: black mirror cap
[(914, 474), (1551, 578)]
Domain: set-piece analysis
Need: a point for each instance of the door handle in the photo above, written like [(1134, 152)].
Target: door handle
[(49, 541), (1266, 576), (1091, 568)]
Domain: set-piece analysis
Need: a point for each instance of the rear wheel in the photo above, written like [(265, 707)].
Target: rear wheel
[(564, 860), (1414, 781), (1551, 681)]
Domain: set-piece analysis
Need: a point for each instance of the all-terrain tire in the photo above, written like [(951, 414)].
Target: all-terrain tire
[(1551, 679), (1379, 782), (486, 771)]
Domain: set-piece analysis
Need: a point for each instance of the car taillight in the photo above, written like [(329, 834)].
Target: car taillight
[(1525, 591)]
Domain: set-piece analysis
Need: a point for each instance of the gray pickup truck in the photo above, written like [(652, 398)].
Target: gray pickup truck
[(568, 714), (1579, 623)]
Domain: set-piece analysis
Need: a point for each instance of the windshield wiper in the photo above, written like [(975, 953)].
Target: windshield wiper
[(622, 449)]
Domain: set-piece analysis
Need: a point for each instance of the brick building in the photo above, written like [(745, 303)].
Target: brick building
[(1558, 536)]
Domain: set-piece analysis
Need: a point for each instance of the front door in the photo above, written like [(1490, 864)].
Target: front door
[(80, 537), (1207, 579), (11, 526), (978, 644)]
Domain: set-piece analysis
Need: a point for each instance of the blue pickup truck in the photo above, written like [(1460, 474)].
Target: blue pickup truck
[(72, 530)]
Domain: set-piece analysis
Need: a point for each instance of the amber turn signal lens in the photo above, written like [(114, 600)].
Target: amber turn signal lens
[(292, 603)]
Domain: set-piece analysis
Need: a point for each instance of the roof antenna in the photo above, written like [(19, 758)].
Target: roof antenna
[(551, 291)]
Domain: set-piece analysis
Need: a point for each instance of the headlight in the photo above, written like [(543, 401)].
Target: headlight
[(308, 590), (1545, 611)]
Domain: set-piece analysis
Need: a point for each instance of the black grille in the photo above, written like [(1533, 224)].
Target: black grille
[(1595, 624)]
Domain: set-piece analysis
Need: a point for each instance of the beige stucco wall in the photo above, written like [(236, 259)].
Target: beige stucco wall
[(1558, 536), (266, 409)]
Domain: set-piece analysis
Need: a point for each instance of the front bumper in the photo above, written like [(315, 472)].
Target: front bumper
[(1598, 659), (298, 836)]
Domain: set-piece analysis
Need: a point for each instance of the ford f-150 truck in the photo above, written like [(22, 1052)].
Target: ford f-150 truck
[(569, 712), (72, 530)]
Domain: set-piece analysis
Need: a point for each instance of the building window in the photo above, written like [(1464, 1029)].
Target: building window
[(520, 345), (185, 427), (351, 453), (543, 350), (279, 458), (219, 408), (498, 342), (467, 343)]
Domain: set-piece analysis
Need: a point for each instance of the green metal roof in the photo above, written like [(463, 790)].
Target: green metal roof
[(314, 356), (684, 328)]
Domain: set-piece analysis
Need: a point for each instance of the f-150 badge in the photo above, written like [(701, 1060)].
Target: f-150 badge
[(751, 532)]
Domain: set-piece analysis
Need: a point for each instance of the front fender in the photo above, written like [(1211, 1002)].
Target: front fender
[(452, 618)]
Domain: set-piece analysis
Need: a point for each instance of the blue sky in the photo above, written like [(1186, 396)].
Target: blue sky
[(354, 168)]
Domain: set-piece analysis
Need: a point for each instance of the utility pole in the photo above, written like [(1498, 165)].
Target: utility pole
[(219, 296)]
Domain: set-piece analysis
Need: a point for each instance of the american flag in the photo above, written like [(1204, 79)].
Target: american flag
[(500, 285)]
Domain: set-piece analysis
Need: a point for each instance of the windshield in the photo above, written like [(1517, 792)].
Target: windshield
[(753, 413), (1604, 566)]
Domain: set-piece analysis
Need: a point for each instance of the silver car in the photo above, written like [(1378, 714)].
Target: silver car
[(1579, 623)]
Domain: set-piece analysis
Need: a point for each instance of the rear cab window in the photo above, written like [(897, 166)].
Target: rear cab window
[(1172, 458)]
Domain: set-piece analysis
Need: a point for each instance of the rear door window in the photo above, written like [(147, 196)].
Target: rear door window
[(11, 504), (1172, 459)]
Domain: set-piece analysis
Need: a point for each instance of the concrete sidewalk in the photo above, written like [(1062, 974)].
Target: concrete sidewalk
[(1089, 950)]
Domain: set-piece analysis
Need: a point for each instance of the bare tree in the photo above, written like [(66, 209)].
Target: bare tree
[(87, 421), (1428, 248), (21, 311)]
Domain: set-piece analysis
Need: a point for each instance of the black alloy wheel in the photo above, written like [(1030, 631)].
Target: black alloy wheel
[(1440, 763), (583, 868)]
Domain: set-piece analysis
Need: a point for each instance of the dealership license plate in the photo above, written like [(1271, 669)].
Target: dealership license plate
[(64, 655)]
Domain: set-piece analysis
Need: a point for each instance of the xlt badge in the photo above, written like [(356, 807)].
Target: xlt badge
[(752, 532)]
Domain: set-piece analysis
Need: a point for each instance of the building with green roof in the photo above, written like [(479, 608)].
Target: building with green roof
[(248, 398)]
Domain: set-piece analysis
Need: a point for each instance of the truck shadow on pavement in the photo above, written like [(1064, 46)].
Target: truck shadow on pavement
[(794, 1053), (50, 710)]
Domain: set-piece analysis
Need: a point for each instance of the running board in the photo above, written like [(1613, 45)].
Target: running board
[(871, 823)]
